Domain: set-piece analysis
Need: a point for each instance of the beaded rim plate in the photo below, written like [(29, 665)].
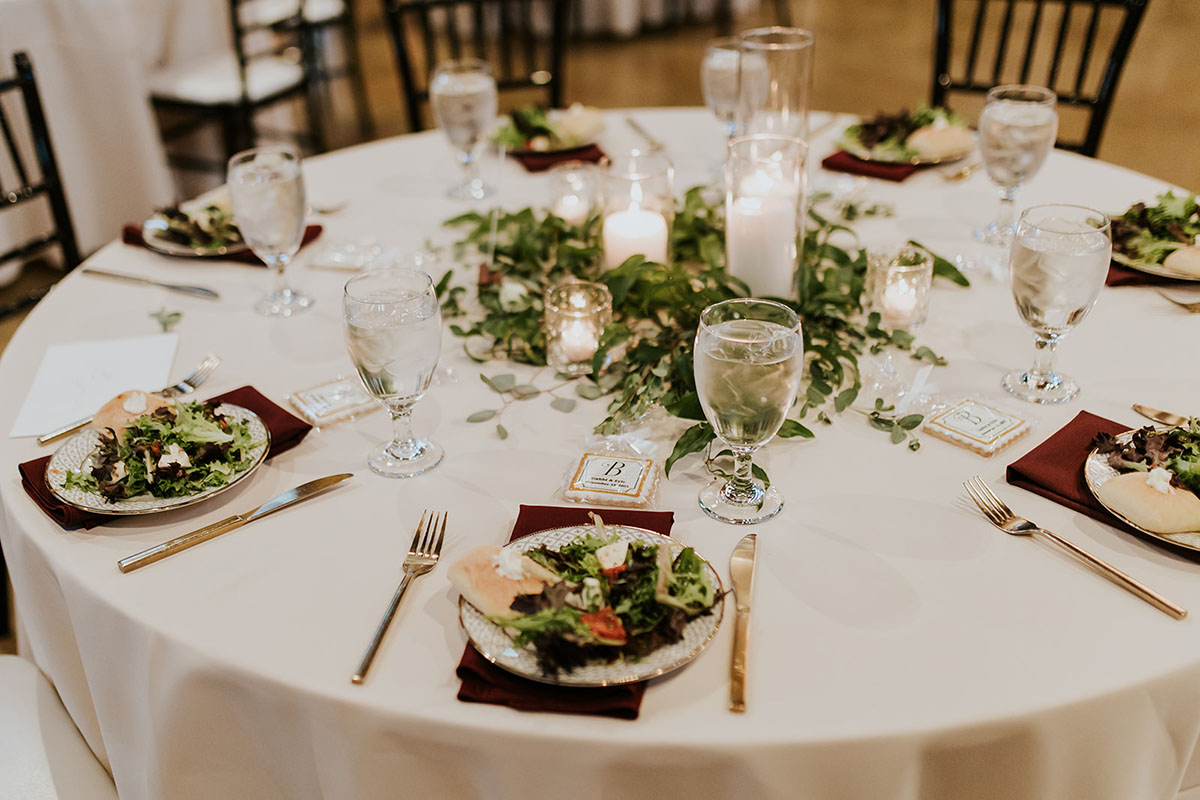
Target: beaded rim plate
[(1153, 269), (494, 644), (1097, 471), (77, 450), (153, 228)]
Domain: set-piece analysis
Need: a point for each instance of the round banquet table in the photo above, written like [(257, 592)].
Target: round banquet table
[(900, 647)]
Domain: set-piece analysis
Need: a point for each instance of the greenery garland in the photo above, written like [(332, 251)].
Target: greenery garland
[(645, 354)]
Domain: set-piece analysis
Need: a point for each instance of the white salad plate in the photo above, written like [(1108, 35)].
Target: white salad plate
[(495, 644), (75, 455), (153, 234), (1153, 269), (854, 147), (1097, 471)]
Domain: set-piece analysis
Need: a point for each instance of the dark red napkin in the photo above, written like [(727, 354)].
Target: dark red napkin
[(132, 234), (1054, 469), (1120, 275), (286, 433), (841, 161), (483, 682), (533, 161)]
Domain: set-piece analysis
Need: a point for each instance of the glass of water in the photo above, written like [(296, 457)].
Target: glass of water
[(719, 81), (266, 187), (463, 96), (1016, 131), (748, 358), (1059, 260), (393, 329)]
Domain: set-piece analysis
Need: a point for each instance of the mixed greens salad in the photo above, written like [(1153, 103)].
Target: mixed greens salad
[(176, 451), (1146, 235), (1176, 450), (531, 128), (642, 600), (208, 228), (885, 137)]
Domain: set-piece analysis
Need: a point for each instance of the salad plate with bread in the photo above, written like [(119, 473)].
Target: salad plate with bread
[(532, 129), (926, 136), (1160, 239), (588, 605), (144, 454), (1149, 479), (203, 228)]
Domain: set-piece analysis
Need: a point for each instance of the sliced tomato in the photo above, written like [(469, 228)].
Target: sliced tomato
[(605, 624), (613, 572)]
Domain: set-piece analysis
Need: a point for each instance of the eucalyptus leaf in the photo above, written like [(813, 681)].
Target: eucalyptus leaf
[(563, 404), (791, 429), (501, 431), (589, 391), (898, 434), (526, 391), (482, 416), (693, 440)]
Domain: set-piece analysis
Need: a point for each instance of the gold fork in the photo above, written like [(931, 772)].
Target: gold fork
[(423, 556), (1003, 518)]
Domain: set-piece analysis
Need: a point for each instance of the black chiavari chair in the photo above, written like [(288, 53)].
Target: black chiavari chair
[(1075, 47), (507, 34)]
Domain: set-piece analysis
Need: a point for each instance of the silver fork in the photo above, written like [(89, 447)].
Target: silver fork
[(1003, 518), (423, 556), (1191, 308), (186, 386)]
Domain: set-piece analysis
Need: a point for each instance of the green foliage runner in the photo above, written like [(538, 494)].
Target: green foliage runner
[(645, 354)]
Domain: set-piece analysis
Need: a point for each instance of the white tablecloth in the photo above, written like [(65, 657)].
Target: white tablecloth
[(92, 59), (901, 648)]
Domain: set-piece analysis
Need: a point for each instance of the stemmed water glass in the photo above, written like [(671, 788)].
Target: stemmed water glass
[(719, 81), (748, 359), (1016, 131), (393, 329), (1059, 260), (266, 188), (463, 96)]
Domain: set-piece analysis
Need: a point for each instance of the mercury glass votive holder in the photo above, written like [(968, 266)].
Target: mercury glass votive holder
[(897, 286), (639, 207), (574, 191), (576, 314)]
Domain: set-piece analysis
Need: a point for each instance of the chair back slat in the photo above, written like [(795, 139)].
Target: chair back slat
[(1017, 41), (49, 183), (1035, 27), (505, 33)]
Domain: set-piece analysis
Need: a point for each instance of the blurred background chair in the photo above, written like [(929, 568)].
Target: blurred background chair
[(523, 41), (267, 65), (43, 756), (1075, 47)]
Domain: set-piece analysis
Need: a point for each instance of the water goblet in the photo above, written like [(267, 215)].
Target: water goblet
[(1016, 131), (393, 326), (266, 188), (463, 97), (748, 359), (1059, 260)]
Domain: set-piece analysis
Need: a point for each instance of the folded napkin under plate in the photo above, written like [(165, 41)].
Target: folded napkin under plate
[(1120, 275), (483, 682), (841, 161), (1054, 469), (286, 433), (534, 161), (132, 235)]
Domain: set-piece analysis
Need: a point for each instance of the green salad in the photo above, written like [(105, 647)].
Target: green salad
[(613, 600), (209, 228), (176, 451), (1176, 450), (1146, 235), (886, 137), (530, 128)]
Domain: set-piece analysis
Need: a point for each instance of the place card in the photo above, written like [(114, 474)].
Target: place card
[(77, 378), (613, 479), (977, 427), (333, 401)]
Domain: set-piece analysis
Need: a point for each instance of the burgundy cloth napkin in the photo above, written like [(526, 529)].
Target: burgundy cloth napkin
[(132, 234), (1120, 275), (841, 161), (483, 682), (286, 433), (533, 161)]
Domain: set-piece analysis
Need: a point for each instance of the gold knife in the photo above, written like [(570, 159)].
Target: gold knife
[(1165, 417), (741, 571), (158, 552)]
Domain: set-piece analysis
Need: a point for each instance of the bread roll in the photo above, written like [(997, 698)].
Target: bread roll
[(477, 578), (936, 142), (123, 409), (1185, 261), (1132, 496)]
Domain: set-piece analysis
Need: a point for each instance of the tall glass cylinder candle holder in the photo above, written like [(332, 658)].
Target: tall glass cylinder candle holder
[(576, 314), (898, 284), (639, 207), (574, 191), (775, 81), (764, 207)]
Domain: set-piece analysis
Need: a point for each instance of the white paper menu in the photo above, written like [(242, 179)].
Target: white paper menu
[(76, 378)]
